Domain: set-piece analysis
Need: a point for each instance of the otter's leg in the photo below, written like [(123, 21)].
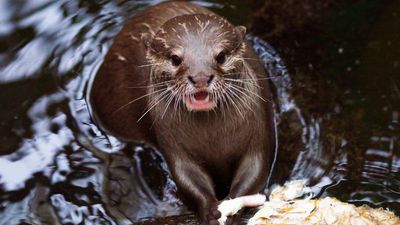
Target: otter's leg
[(251, 174), (250, 178), (195, 184)]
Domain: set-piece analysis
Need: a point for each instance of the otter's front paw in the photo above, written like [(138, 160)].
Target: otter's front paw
[(213, 215)]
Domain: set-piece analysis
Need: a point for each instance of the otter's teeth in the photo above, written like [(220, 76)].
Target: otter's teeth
[(207, 98)]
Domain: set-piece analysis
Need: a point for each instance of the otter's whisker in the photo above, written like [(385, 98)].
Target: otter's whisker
[(154, 105), (136, 99), (176, 102), (179, 93), (241, 99), (255, 79), (151, 64), (231, 74), (224, 101), (169, 100), (244, 82), (245, 96), (253, 59), (248, 97), (253, 93), (154, 85), (216, 96), (234, 104)]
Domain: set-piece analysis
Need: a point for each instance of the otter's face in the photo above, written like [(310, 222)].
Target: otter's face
[(196, 58)]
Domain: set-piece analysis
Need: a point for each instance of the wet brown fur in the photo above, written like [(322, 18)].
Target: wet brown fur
[(201, 148)]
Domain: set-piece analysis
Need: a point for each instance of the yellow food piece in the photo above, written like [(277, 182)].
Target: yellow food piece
[(327, 211)]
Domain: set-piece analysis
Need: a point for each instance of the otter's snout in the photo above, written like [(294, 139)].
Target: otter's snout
[(201, 80)]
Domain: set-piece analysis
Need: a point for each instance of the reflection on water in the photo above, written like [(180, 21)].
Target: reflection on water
[(58, 167)]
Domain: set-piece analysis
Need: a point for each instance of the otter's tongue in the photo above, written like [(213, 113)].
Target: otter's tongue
[(200, 102), (200, 96)]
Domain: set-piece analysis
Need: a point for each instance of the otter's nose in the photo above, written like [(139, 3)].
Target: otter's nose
[(201, 80)]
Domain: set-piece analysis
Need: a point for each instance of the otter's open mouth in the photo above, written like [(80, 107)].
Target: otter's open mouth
[(199, 101)]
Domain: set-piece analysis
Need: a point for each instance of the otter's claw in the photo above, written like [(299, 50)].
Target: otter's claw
[(213, 215)]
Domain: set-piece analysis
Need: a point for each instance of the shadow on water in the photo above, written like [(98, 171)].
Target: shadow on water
[(337, 112)]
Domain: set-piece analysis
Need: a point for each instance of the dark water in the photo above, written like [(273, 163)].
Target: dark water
[(337, 107)]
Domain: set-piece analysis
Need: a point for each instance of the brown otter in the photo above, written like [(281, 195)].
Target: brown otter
[(185, 80)]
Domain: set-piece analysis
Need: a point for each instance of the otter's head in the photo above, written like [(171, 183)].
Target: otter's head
[(197, 62)]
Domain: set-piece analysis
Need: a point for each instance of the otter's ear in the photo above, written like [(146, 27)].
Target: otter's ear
[(146, 38), (241, 31)]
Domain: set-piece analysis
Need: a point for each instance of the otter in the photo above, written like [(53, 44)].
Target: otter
[(185, 80)]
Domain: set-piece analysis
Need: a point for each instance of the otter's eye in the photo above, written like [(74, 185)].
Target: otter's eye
[(220, 58), (176, 60)]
